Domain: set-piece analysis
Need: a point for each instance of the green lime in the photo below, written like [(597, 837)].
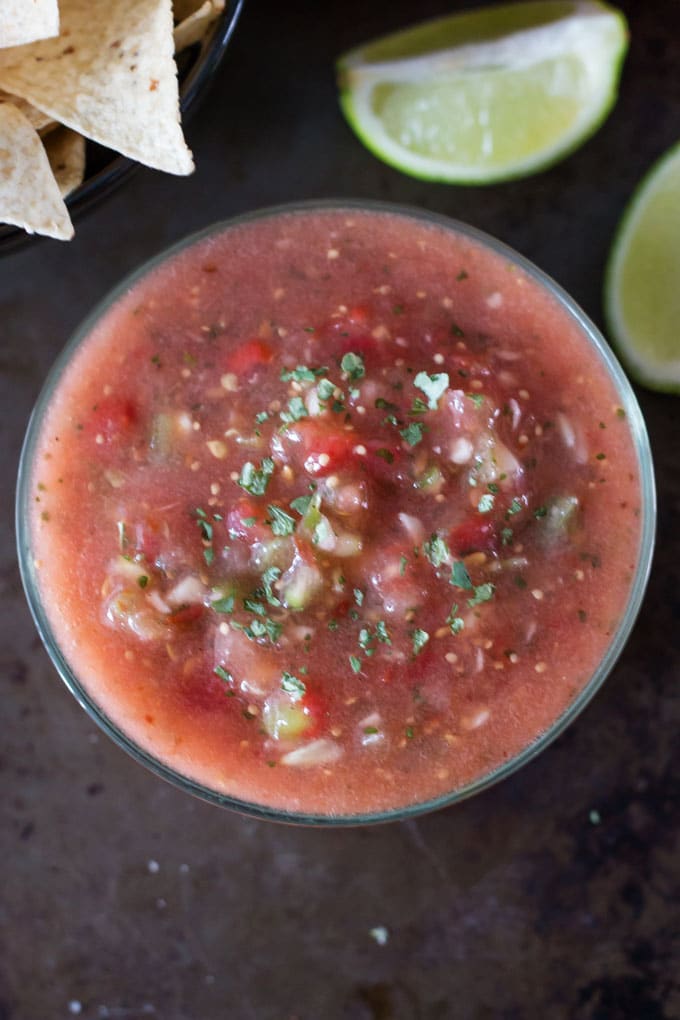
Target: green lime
[(488, 94), (642, 284)]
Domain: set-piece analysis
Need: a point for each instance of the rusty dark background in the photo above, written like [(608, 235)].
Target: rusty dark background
[(553, 895)]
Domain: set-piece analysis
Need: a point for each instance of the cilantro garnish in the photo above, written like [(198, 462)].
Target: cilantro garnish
[(293, 686), (506, 536), (254, 480), (385, 405), (325, 389), (413, 433), (485, 503), (420, 639), (454, 621), (302, 374), (402, 565), (382, 633), (261, 417), (142, 580), (540, 511), (432, 386), (257, 629), (204, 526), (514, 508), (371, 730), (355, 663), (224, 605), (223, 674), (436, 550), (385, 455), (296, 410), (254, 607), (358, 596), (483, 593), (301, 504), (270, 575), (353, 364), (281, 523), (419, 406), (456, 330), (460, 577), (476, 398), (209, 555)]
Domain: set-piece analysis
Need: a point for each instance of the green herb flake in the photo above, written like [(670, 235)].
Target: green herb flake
[(261, 417), (506, 536), (460, 577), (620, 413), (224, 605), (483, 593), (142, 581), (462, 275), (209, 555), (420, 639), (419, 406), (514, 508), (353, 365), (293, 686), (436, 550), (582, 615), (156, 360), (371, 730), (382, 633), (358, 596), (476, 398), (385, 455), (270, 576), (385, 405), (302, 374), (403, 562), (456, 330), (355, 663), (333, 624), (255, 480), (301, 504), (485, 504), (520, 582), (325, 390), (455, 622), (432, 386), (280, 522), (413, 433), (600, 456), (409, 732), (297, 409), (223, 674)]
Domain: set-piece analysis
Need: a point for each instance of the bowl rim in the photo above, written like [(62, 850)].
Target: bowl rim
[(639, 438), (192, 91)]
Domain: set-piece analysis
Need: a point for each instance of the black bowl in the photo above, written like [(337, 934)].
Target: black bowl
[(105, 169)]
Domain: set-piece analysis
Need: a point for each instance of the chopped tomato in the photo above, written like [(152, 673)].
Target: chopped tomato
[(249, 357), (185, 615), (246, 520), (320, 447), (112, 418), (476, 534)]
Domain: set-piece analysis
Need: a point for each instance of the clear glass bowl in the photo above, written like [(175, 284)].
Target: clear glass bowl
[(106, 170), (619, 637)]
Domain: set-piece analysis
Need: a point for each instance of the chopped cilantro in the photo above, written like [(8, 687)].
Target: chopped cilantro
[(483, 593), (413, 433), (223, 674), (301, 504), (224, 605), (142, 580), (620, 413), (456, 330), (382, 633), (248, 522), (514, 508), (355, 663), (371, 730), (323, 532), (600, 456), (520, 582), (358, 596), (270, 575), (325, 389), (302, 374), (432, 386), (257, 629), (365, 639), (506, 536), (333, 624), (385, 454), (254, 480), (296, 410), (205, 527), (436, 550), (540, 511), (403, 562), (454, 621), (281, 523), (353, 364), (419, 406), (261, 417), (254, 607), (420, 639), (462, 275), (385, 405), (582, 615), (485, 503), (293, 686), (460, 577), (209, 555), (476, 398), (409, 732)]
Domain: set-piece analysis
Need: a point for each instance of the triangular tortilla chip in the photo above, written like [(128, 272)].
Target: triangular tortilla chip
[(192, 28), (37, 118), (111, 76), (66, 152), (24, 21), (29, 196)]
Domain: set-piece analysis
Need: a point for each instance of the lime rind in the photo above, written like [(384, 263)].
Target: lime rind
[(642, 278), (593, 39)]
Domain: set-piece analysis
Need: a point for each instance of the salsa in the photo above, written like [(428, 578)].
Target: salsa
[(335, 511)]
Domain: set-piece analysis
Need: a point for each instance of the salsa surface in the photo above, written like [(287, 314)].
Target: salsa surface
[(335, 512)]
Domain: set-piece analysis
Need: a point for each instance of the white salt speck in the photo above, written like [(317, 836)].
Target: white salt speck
[(380, 935), (75, 1007), (153, 867)]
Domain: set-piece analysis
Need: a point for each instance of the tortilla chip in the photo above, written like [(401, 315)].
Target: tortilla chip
[(192, 28), (37, 118), (66, 152), (111, 76), (24, 21), (29, 196), (182, 9)]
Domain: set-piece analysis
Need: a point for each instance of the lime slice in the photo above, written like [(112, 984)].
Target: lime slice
[(489, 94), (642, 283)]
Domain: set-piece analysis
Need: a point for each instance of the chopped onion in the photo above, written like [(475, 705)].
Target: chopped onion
[(318, 752), (461, 450), (413, 527), (188, 591)]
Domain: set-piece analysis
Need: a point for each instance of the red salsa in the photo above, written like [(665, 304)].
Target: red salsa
[(335, 511)]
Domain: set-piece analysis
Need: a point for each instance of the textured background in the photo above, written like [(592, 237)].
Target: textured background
[(122, 897)]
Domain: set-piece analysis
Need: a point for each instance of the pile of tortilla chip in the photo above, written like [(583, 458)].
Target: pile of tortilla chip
[(77, 69)]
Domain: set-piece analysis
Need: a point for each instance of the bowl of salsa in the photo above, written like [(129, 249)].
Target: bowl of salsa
[(335, 513)]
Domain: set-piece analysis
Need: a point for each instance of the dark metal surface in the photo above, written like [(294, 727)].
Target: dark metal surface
[(552, 895)]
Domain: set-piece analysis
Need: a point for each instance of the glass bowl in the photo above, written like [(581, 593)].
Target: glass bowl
[(619, 633), (106, 170)]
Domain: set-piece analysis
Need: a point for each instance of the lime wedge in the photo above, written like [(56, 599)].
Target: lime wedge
[(489, 94), (642, 283)]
